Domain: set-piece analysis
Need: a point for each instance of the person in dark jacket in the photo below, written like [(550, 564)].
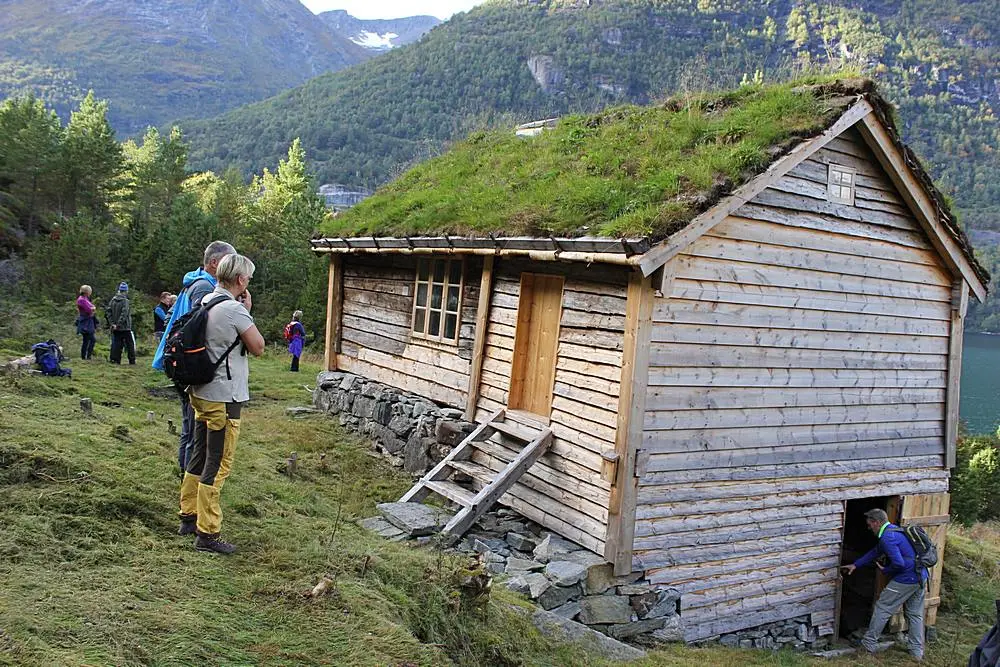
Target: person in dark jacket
[(86, 322), (119, 314), (160, 315), (905, 588)]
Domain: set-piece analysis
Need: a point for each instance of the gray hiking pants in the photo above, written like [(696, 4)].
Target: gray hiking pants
[(911, 598)]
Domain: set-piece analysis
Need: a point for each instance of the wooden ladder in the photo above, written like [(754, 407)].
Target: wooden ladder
[(534, 439)]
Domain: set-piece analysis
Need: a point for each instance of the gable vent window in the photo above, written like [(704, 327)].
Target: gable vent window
[(437, 300), (840, 184)]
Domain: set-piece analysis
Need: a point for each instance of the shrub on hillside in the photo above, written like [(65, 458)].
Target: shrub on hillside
[(975, 483)]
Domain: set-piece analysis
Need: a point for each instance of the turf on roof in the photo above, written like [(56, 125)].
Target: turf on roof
[(630, 171)]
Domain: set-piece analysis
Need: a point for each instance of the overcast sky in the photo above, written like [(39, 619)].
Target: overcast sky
[(393, 9)]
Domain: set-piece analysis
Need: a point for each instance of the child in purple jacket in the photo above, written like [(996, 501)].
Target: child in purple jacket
[(295, 334)]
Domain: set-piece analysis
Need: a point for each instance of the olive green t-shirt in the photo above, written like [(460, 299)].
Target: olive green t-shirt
[(226, 322)]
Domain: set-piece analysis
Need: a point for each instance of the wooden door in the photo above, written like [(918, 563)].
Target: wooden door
[(536, 343), (929, 510)]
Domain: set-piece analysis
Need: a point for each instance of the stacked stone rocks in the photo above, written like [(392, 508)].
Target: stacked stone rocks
[(409, 430), (795, 633)]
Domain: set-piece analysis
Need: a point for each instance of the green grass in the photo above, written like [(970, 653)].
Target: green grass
[(628, 171), (93, 574)]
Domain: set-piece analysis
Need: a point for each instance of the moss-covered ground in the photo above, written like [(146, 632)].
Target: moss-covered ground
[(93, 574)]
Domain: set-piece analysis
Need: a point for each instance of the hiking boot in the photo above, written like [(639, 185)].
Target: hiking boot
[(189, 524), (212, 544)]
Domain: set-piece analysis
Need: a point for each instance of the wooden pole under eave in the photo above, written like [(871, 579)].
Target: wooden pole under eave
[(631, 408), (334, 311), (959, 305), (479, 344)]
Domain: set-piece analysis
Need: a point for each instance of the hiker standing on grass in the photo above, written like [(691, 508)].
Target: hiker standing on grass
[(119, 314), (160, 316), (295, 334), (905, 588), (197, 284), (86, 322), (218, 404)]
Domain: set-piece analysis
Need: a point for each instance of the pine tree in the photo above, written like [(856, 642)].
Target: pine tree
[(93, 159)]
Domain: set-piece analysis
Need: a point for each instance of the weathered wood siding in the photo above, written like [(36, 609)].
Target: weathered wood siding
[(376, 340), (564, 490), (798, 359)]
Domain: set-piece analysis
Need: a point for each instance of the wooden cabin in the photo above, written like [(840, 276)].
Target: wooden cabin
[(723, 395)]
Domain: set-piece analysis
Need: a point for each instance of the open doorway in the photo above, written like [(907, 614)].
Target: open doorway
[(859, 591)]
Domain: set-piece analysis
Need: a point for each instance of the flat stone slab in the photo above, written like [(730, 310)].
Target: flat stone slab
[(565, 573), (553, 547), (626, 630), (414, 519), (518, 565), (562, 629), (605, 609), (380, 526)]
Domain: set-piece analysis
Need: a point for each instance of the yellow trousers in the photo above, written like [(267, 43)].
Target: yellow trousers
[(217, 429)]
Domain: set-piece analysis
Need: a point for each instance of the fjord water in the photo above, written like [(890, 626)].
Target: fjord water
[(980, 397)]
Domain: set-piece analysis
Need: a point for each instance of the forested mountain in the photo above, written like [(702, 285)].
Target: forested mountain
[(525, 59), (158, 60), (378, 35)]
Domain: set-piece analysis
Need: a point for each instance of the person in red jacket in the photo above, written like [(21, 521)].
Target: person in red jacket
[(905, 588)]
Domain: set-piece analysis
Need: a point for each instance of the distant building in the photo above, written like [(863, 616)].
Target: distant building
[(342, 197)]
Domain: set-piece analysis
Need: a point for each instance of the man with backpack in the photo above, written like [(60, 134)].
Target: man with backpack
[(907, 572), (197, 284), (119, 316)]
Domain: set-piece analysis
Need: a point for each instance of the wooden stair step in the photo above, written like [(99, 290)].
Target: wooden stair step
[(515, 431), (474, 470), (451, 491)]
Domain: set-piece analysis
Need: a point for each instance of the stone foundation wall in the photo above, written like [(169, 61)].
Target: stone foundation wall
[(411, 431), (795, 633)]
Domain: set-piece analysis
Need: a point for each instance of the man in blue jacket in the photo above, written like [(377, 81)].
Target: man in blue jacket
[(197, 284), (905, 588)]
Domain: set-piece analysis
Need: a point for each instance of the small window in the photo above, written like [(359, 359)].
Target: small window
[(840, 184), (437, 301)]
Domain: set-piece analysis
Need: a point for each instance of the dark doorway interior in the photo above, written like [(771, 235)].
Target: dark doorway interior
[(858, 590)]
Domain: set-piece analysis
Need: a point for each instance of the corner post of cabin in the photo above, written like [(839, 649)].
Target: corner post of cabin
[(334, 310), (629, 427), (959, 306), (479, 343)]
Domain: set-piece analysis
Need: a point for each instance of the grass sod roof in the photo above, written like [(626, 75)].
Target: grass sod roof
[(626, 172)]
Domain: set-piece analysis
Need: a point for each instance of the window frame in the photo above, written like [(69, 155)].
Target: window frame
[(445, 312), (835, 185)]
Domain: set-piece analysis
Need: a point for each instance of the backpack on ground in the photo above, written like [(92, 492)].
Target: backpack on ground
[(185, 355), (925, 551), (47, 356)]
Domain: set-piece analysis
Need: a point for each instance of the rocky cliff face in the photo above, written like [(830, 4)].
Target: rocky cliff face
[(378, 35), (161, 60)]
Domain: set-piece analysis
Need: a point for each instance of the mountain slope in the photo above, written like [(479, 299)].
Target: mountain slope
[(525, 59), (379, 34), (158, 60)]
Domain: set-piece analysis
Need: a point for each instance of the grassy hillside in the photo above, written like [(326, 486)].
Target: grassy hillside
[(516, 60), (165, 60), (94, 574)]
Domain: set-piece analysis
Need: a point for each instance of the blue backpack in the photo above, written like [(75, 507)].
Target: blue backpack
[(48, 356)]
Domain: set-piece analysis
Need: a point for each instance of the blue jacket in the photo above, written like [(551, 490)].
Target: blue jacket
[(191, 294), (899, 552)]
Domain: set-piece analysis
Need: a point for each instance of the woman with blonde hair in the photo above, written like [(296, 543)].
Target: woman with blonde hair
[(86, 322), (229, 334)]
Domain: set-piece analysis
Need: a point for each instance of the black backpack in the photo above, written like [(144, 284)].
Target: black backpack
[(926, 553), (185, 354)]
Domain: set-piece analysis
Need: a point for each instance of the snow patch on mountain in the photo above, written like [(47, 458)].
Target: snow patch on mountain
[(374, 40)]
